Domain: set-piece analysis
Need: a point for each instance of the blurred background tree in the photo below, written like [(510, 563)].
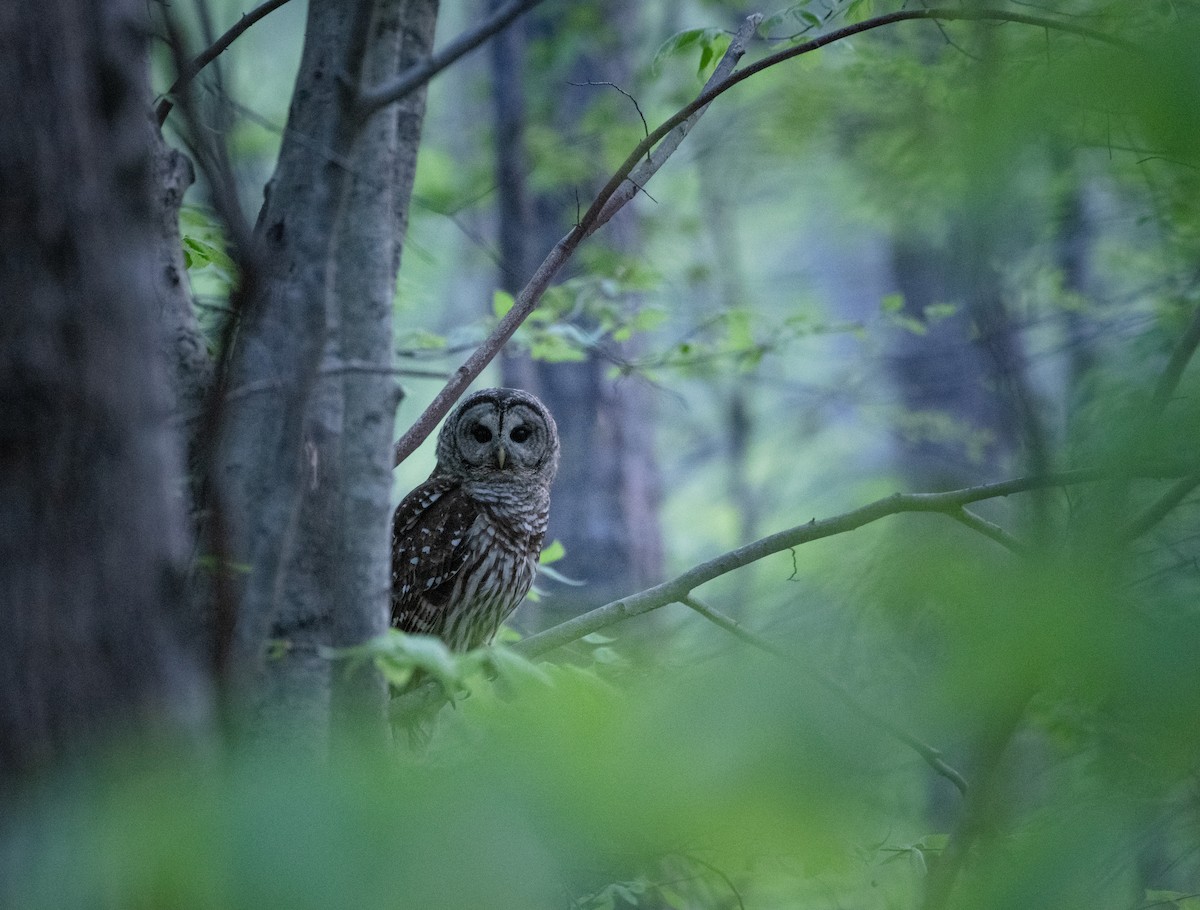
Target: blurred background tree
[(953, 254)]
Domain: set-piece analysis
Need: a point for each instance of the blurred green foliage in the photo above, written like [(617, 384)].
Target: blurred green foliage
[(670, 765)]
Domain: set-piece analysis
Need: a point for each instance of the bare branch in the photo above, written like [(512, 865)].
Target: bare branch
[(675, 590), (931, 756), (990, 530), (188, 72), (1163, 506), (373, 98), (1180, 356)]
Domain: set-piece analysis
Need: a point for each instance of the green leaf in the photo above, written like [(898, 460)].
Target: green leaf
[(738, 326), (713, 50), (647, 319), (558, 576), (209, 253), (678, 42), (421, 340), (502, 302), (712, 43), (554, 348), (892, 303), (512, 666), (858, 10), (552, 553), (916, 858), (936, 312)]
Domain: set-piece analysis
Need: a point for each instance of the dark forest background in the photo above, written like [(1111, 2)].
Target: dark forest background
[(874, 570)]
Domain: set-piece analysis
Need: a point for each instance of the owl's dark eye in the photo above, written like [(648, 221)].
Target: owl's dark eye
[(481, 433), (519, 434)]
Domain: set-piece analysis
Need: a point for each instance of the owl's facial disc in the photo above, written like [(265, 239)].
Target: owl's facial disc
[(499, 434)]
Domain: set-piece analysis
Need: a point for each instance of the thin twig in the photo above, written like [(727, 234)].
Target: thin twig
[(334, 369), (188, 72), (931, 756), (1180, 356), (989, 529), (212, 157), (1162, 507), (637, 107)]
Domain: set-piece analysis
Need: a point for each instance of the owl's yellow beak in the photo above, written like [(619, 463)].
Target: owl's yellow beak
[(501, 454)]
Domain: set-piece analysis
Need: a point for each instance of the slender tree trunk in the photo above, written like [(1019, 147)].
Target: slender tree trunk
[(92, 530), (306, 450)]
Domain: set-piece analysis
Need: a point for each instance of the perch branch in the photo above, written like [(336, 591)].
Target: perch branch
[(931, 756), (188, 72), (675, 590)]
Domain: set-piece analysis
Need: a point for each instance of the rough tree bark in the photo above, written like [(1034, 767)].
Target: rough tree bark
[(305, 458), (92, 534)]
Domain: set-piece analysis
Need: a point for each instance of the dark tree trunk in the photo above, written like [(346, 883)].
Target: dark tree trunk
[(943, 375), (92, 531), (606, 496)]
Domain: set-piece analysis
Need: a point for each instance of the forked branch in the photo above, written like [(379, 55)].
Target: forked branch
[(189, 71)]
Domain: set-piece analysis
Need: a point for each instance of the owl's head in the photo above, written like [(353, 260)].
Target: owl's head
[(499, 433)]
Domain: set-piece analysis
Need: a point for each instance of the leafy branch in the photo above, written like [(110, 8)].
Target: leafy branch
[(634, 172), (603, 207)]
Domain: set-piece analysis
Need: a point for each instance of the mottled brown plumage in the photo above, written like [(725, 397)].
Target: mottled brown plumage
[(465, 543)]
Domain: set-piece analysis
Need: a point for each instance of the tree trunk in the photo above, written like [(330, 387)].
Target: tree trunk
[(306, 452), (606, 496), (92, 532)]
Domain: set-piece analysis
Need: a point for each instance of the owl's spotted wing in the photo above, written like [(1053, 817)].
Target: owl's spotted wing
[(429, 532)]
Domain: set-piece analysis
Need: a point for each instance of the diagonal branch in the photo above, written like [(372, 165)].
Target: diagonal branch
[(375, 97), (600, 211), (932, 756), (1163, 506), (1184, 349), (208, 55), (989, 529), (680, 587), (527, 300), (649, 166)]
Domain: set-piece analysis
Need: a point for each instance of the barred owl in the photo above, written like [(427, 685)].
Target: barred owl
[(465, 543)]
